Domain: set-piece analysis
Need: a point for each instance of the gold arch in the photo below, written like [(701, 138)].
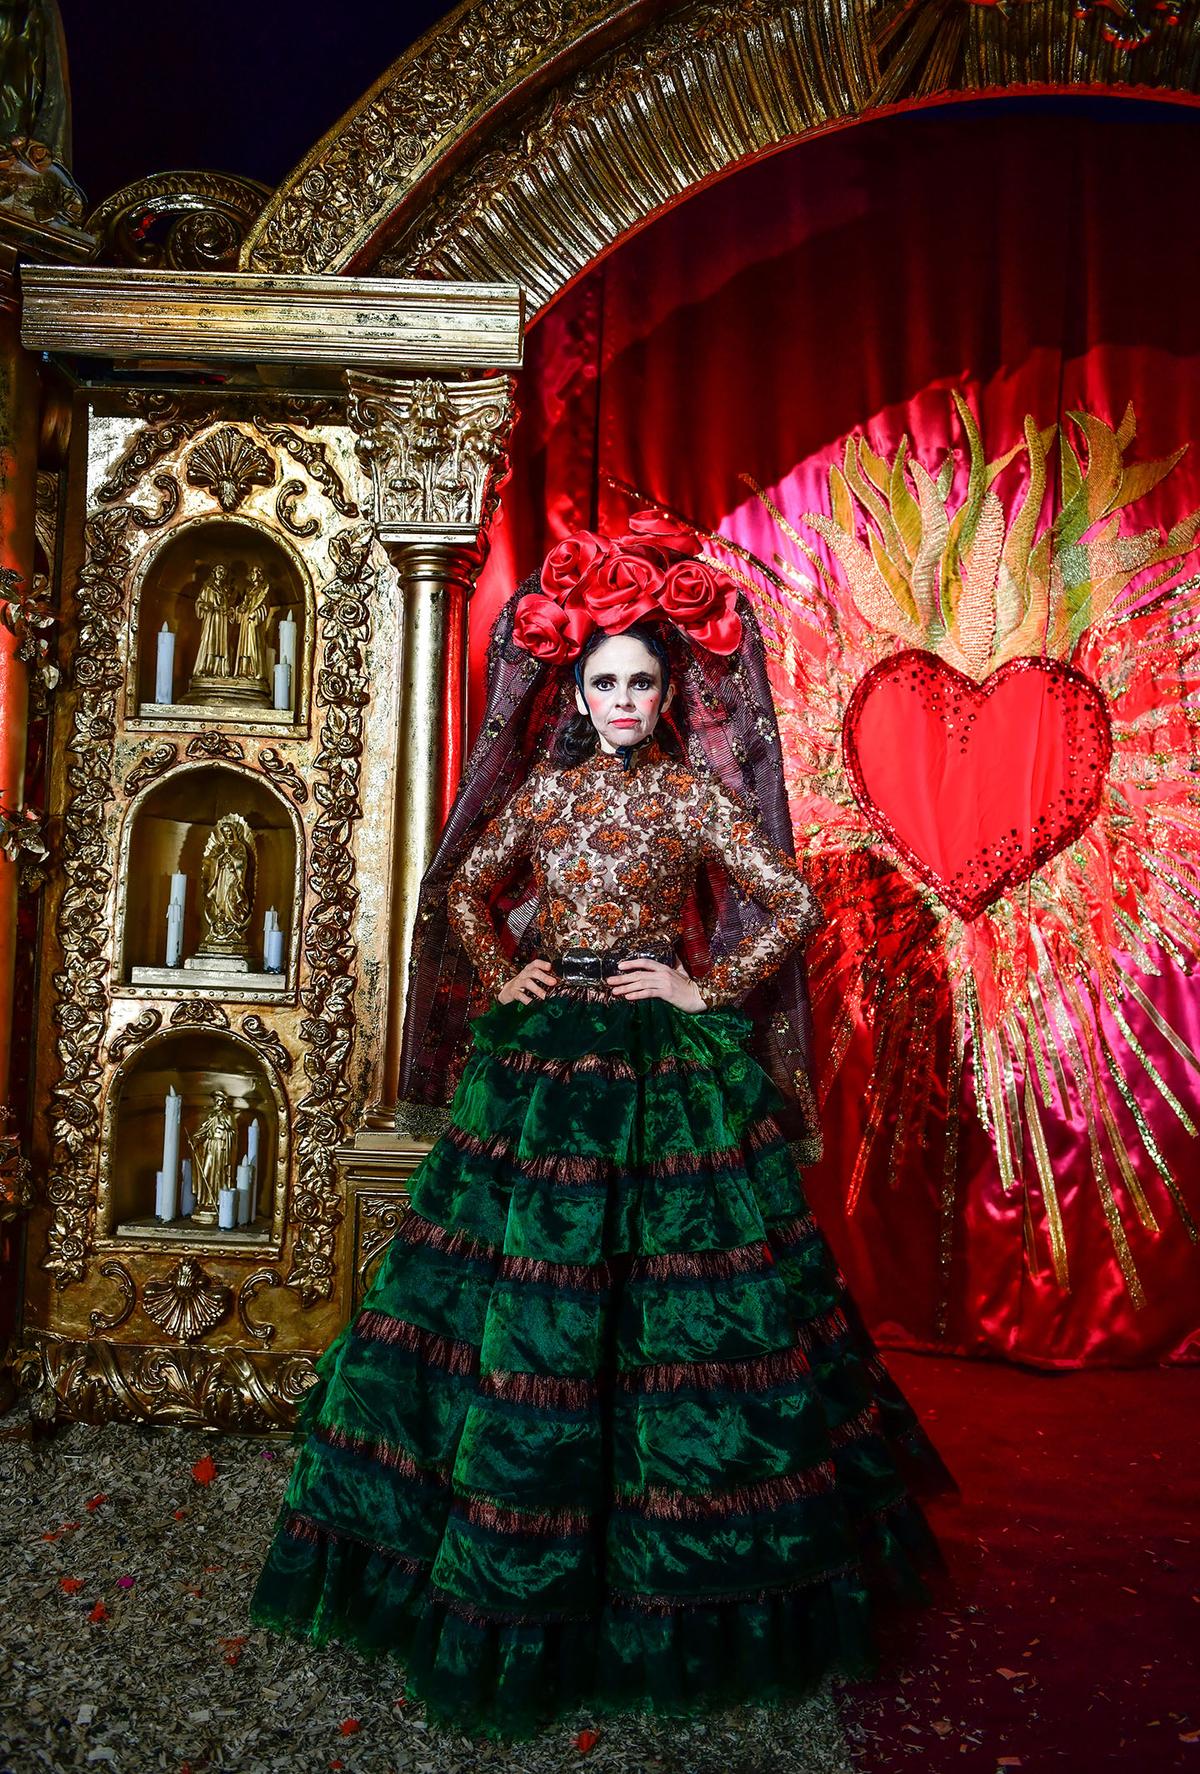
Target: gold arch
[(519, 140)]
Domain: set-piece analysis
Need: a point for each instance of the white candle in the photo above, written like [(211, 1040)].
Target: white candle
[(176, 906), (170, 1159), (270, 919), (158, 1196), (226, 1209), (187, 1198), (252, 1146), (283, 685), (287, 642), (245, 1193), (275, 951), (164, 666)]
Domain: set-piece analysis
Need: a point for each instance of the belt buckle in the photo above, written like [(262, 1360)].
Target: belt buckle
[(584, 966)]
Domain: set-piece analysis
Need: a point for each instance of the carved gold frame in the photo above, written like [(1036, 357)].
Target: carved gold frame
[(520, 140)]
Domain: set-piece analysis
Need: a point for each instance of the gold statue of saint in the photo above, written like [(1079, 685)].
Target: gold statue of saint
[(252, 613), (220, 675), (214, 604), (227, 891), (213, 1153)]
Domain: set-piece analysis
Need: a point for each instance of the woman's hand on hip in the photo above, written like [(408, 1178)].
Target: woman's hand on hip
[(654, 979), (533, 981)]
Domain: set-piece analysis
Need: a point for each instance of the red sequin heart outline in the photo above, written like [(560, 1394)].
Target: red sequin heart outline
[(981, 881)]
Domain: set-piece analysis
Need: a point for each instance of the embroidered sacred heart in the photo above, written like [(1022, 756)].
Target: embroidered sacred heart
[(976, 785)]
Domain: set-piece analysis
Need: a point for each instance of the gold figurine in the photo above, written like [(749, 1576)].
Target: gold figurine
[(218, 676), (227, 889), (252, 613), (213, 1156)]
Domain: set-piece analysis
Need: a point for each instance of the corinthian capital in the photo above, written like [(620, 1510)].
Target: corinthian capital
[(437, 452)]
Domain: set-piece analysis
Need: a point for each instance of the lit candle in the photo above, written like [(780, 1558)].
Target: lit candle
[(226, 1209), (164, 666), (170, 1158), (175, 913), (187, 1198), (283, 685)]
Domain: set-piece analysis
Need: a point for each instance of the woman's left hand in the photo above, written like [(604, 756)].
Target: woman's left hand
[(654, 979)]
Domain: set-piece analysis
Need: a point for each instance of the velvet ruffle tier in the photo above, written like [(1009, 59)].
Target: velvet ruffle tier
[(607, 1430)]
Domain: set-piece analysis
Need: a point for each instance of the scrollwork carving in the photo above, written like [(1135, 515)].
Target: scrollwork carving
[(105, 1321), (201, 1012), (187, 1303), (103, 1382), (268, 1043), (280, 770), (134, 1033), (178, 221), (152, 763), (311, 454), (324, 1114), (261, 1278), (285, 509), (148, 447), (216, 745)]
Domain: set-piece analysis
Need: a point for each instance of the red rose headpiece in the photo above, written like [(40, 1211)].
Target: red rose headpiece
[(611, 582)]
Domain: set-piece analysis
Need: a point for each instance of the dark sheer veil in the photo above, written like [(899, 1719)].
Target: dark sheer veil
[(722, 720)]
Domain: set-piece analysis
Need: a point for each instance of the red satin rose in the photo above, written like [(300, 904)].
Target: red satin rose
[(549, 630), (668, 539), (703, 603), (570, 562), (620, 590)]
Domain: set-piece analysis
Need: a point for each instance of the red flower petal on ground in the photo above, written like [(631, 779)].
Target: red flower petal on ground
[(179, 1514), (125, 1582), (235, 1644), (99, 1612), (233, 1659), (93, 1503), (348, 1727), (55, 1534), (586, 1740), (337, 1763), (204, 1471), (69, 1585)]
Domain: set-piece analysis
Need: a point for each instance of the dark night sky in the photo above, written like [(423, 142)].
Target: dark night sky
[(244, 86)]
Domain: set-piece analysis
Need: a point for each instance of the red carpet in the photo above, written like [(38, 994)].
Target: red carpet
[(1066, 1637)]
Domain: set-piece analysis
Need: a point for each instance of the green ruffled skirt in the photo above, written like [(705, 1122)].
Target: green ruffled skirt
[(607, 1430)]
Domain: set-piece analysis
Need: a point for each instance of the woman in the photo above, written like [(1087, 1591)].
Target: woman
[(607, 1430)]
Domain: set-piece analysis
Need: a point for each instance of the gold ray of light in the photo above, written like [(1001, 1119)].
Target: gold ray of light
[(1116, 1138), (913, 1088), (1044, 1168)]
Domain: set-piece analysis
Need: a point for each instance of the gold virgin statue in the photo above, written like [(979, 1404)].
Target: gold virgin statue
[(227, 888)]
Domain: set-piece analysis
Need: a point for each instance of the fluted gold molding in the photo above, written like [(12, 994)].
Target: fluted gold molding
[(505, 147)]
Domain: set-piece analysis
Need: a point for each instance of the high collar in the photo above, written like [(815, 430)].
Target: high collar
[(627, 758)]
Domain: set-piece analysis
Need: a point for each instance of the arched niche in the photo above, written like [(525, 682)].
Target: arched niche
[(177, 573), (195, 1062), (166, 831)]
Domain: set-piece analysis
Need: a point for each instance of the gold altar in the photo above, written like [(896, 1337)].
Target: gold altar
[(252, 444)]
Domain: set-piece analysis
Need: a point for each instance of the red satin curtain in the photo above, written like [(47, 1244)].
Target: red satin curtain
[(1038, 257)]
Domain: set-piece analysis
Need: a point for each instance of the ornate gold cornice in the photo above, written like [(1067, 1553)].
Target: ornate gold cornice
[(522, 155)]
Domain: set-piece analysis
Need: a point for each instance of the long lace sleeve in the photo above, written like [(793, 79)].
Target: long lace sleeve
[(770, 876), (492, 860)]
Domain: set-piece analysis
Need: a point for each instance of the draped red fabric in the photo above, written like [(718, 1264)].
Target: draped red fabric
[(1039, 258)]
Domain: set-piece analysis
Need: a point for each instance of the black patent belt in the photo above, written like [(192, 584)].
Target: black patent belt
[(594, 966)]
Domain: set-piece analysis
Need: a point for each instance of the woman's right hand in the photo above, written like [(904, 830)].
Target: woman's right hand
[(533, 981)]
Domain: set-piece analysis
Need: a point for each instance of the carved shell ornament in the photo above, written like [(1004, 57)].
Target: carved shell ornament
[(187, 1302), (229, 465)]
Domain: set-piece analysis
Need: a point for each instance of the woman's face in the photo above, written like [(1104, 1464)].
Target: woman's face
[(622, 691)]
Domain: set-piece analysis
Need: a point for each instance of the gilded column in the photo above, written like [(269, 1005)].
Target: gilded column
[(437, 451)]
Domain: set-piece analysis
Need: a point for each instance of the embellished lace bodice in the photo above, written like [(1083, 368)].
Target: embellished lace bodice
[(614, 853)]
